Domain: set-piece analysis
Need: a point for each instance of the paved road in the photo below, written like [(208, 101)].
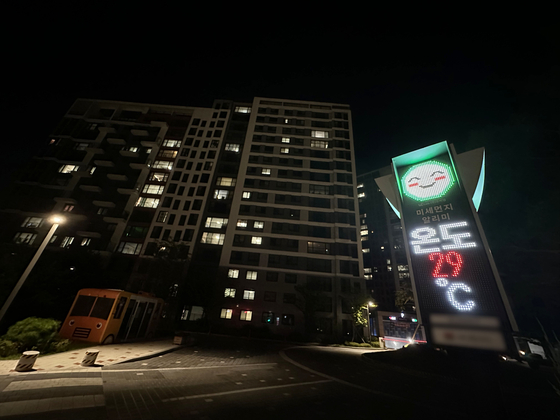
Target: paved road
[(234, 378)]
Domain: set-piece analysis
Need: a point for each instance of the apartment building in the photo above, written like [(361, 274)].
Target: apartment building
[(384, 255), (244, 214)]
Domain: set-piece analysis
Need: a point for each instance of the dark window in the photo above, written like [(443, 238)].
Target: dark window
[(290, 278), (83, 306), (120, 308), (156, 232), (193, 218), (270, 296), (289, 298), (271, 276), (102, 308)]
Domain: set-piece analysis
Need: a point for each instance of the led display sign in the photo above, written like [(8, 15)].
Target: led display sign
[(456, 286)]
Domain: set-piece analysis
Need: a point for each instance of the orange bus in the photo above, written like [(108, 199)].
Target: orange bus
[(109, 315)]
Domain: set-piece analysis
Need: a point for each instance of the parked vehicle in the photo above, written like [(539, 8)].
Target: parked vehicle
[(109, 315)]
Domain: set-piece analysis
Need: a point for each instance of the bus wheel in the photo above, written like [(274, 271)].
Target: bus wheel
[(109, 339)]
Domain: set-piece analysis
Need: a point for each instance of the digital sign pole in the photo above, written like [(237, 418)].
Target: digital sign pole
[(457, 288)]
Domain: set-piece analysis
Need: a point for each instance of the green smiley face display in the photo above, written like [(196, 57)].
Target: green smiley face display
[(427, 180)]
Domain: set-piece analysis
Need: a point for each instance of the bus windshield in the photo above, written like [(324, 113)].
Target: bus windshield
[(102, 308), (83, 305)]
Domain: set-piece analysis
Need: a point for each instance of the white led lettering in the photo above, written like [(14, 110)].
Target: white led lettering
[(456, 238), (451, 288), (424, 236)]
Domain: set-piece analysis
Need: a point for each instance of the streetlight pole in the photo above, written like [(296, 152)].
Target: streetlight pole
[(56, 222)]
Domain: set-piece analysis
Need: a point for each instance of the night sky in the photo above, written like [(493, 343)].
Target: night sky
[(408, 84)]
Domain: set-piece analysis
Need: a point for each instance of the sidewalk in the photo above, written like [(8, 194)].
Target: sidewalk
[(108, 355)]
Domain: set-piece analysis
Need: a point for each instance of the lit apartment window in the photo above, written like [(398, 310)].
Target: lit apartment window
[(401, 267), (265, 171), (246, 194), (131, 149), (92, 170), (32, 222), (285, 139), (249, 294), (131, 248), (284, 150), (158, 176), (167, 154), (243, 109), (364, 232), (233, 273), (320, 134), (24, 238), (230, 293), (246, 315), (171, 143), (361, 195), (85, 242), (360, 185), (216, 222), (320, 144), (256, 240), (242, 223), (368, 276), (67, 241), (66, 169), (251, 275), (163, 164), (258, 225), (212, 238), (365, 250), (233, 147), (151, 203), (163, 216), (226, 313), (153, 189), (226, 182), (221, 194), (364, 238), (367, 269)]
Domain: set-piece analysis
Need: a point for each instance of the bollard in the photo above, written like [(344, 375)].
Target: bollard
[(90, 357), (26, 361)]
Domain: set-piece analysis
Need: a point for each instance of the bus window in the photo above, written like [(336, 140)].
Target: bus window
[(102, 308), (120, 307), (83, 305)]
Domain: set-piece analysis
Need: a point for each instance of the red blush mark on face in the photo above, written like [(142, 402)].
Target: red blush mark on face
[(439, 177), (413, 185)]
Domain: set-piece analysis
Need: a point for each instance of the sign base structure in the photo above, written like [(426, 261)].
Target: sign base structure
[(473, 332), (456, 285)]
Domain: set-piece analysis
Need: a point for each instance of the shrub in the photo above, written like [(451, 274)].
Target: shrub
[(59, 346), (354, 344), (33, 333), (7, 348)]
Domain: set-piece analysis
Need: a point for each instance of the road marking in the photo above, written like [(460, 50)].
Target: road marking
[(188, 368), (52, 383), (51, 404), (332, 378), (264, 388)]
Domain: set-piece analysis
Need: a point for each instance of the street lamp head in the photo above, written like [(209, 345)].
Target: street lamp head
[(57, 219)]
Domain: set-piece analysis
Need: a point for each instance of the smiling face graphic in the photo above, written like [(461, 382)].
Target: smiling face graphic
[(427, 180)]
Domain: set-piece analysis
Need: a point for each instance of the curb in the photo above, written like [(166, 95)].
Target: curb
[(149, 356)]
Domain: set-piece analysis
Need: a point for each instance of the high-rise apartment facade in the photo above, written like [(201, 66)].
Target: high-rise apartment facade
[(252, 205), (385, 262)]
